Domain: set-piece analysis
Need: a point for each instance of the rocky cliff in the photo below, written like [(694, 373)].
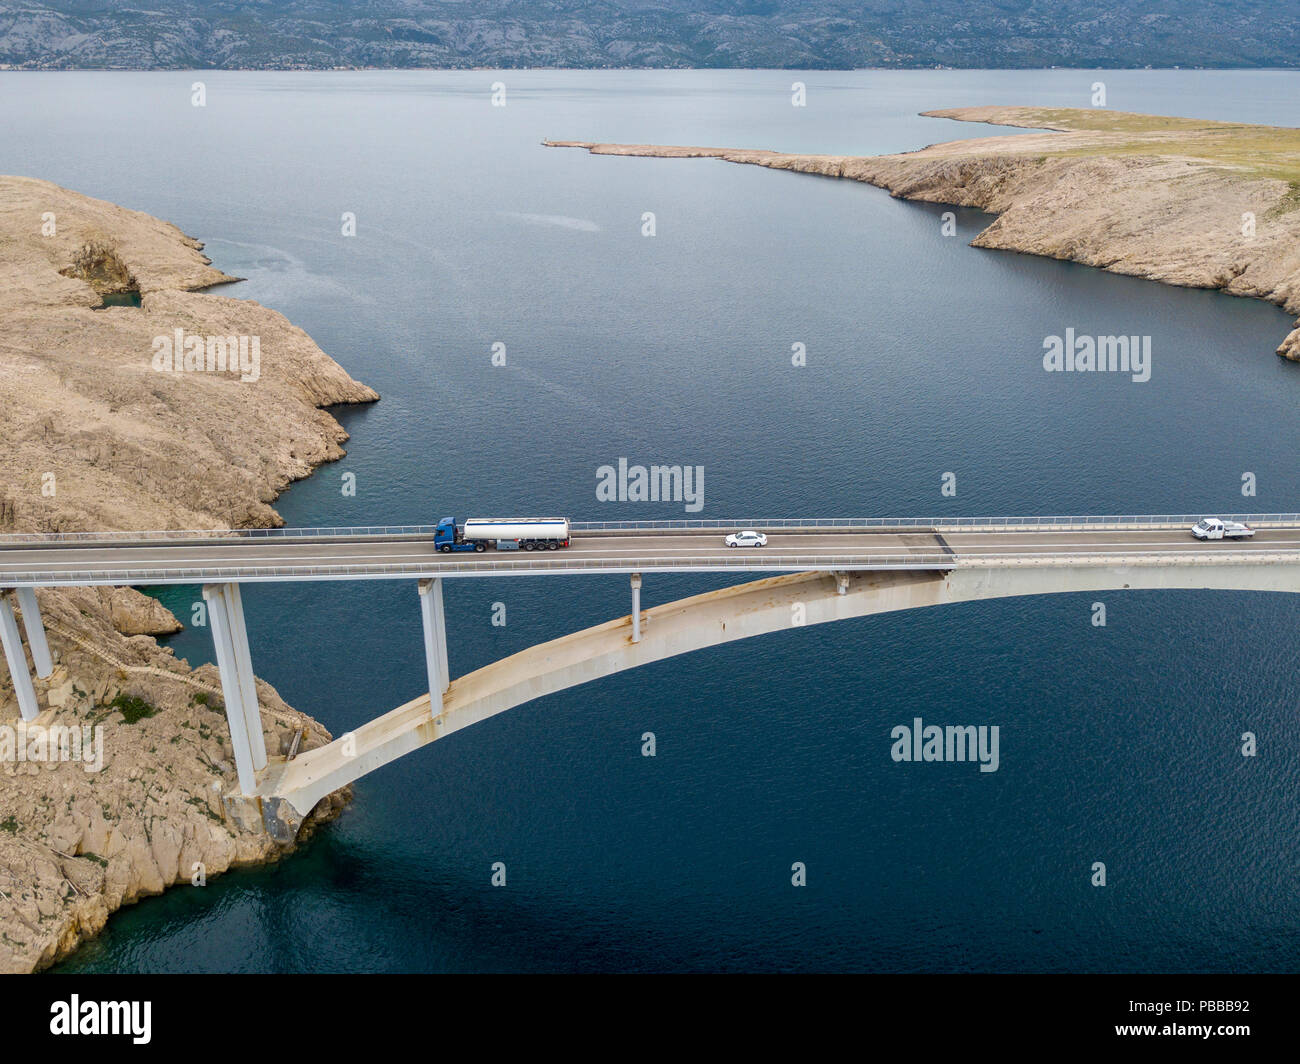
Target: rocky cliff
[(102, 431)]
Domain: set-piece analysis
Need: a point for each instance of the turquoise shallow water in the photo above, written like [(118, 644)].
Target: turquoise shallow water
[(1118, 744)]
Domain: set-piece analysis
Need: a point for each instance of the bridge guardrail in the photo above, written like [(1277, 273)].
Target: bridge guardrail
[(223, 534), (1135, 522), (749, 561), (1049, 523)]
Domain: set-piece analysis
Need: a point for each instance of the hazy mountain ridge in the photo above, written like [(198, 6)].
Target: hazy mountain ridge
[(170, 34)]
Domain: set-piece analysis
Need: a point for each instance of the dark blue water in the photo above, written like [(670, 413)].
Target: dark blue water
[(1118, 744)]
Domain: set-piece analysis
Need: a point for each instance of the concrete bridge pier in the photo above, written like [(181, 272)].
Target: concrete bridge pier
[(435, 642), (235, 663), (17, 659), (35, 629), (636, 607), (247, 683)]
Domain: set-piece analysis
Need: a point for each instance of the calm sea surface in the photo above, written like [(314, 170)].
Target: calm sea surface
[(1118, 744)]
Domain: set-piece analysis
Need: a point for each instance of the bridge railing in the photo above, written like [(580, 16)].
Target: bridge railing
[(975, 523), (221, 534), (747, 561), (1135, 522)]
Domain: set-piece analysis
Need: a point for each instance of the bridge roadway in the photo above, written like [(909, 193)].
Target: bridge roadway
[(287, 557)]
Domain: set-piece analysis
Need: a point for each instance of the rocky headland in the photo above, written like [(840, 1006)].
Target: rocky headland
[(1182, 201), (100, 432)]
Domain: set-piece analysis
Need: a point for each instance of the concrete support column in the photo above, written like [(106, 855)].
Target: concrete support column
[(441, 619), (17, 659), (244, 668), (636, 607), (435, 642), (219, 620), (841, 582), (35, 629)]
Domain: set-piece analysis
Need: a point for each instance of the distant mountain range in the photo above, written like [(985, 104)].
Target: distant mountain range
[(316, 34)]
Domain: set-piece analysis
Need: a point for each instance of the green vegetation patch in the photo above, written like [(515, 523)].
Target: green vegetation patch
[(1288, 203), (133, 709), (203, 807), (202, 698)]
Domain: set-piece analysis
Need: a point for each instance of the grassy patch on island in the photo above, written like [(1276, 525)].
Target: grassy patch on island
[(1264, 151)]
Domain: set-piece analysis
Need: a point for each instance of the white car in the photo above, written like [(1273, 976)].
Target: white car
[(748, 538)]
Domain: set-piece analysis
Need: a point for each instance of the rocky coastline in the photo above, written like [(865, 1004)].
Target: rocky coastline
[(102, 432), (1181, 201)]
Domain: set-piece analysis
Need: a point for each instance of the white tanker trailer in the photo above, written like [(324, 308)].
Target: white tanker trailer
[(513, 533)]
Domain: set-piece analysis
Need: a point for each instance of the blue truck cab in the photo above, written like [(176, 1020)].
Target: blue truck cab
[(448, 535)]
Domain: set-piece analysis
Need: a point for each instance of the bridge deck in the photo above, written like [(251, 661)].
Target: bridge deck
[(362, 557)]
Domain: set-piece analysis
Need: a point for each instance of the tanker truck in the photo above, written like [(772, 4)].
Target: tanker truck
[(512, 533)]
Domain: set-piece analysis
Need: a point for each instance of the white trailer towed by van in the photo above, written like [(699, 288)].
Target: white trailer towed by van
[(1213, 528)]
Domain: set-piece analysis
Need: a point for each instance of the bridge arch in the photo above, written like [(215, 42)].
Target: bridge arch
[(288, 792)]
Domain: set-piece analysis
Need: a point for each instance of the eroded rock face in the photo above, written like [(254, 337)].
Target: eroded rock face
[(98, 264), (96, 435), (1290, 347), (133, 613), (96, 438)]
